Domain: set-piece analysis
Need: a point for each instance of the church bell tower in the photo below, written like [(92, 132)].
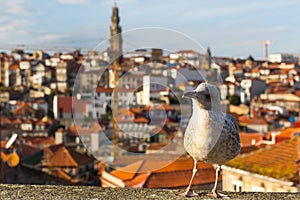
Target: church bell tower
[(115, 36)]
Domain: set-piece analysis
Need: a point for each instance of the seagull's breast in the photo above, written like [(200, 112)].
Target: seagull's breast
[(210, 137)]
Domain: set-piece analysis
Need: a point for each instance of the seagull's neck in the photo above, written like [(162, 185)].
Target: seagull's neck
[(198, 109)]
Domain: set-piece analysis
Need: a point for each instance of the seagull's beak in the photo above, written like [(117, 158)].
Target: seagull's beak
[(190, 95), (195, 95)]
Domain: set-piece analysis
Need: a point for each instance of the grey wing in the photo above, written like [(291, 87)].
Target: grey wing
[(231, 120), (231, 136), (228, 144), (230, 130)]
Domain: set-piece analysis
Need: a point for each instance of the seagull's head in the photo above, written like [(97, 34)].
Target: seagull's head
[(206, 96)]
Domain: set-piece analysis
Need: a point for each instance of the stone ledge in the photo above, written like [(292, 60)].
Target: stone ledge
[(38, 192)]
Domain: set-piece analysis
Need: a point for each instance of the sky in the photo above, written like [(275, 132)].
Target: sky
[(233, 28)]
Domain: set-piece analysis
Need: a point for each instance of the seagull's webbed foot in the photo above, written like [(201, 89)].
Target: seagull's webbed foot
[(189, 193), (215, 194)]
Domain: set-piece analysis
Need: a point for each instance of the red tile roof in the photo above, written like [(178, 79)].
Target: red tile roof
[(103, 90), (138, 181), (39, 140), (273, 66), (287, 134), (62, 174), (156, 145), (17, 121), (128, 172), (28, 150), (158, 107), (64, 157), (136, 110), (284, 71), (276, 161), (162, 174), (296, 124), (147, 108), (16, 66), (255, 70), (248, 149), (20, 110), (249, 139), (246, 120), (4, 157), (6, 120), (140, 120), (40, 101), (27, 121), (2, 144), (77, 129), (297, 93)]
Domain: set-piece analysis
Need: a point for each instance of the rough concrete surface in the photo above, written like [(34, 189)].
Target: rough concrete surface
[(38, 192)]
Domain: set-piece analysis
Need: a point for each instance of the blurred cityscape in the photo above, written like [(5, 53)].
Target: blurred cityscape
[(115, 119)]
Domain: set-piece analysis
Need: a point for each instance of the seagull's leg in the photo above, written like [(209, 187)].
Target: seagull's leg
[(214, 192), (217, 177), (188, 192)]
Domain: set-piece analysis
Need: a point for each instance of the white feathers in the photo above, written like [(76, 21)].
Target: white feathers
[(211, 135)]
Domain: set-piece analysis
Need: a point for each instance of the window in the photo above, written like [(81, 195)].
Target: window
[(237, 188), (60, 113), (237, 185)]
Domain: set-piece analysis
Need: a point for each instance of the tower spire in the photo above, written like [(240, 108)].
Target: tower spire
[(115, 35)]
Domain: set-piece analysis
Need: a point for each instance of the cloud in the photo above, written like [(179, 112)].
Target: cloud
[(220, 9), (15, 8), (51, 37), (15, 22), (73, 1), (17, 26), (277, 29), (14, 30)]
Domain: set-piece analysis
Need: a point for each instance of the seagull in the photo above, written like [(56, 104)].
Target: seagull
[(211, 135)]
